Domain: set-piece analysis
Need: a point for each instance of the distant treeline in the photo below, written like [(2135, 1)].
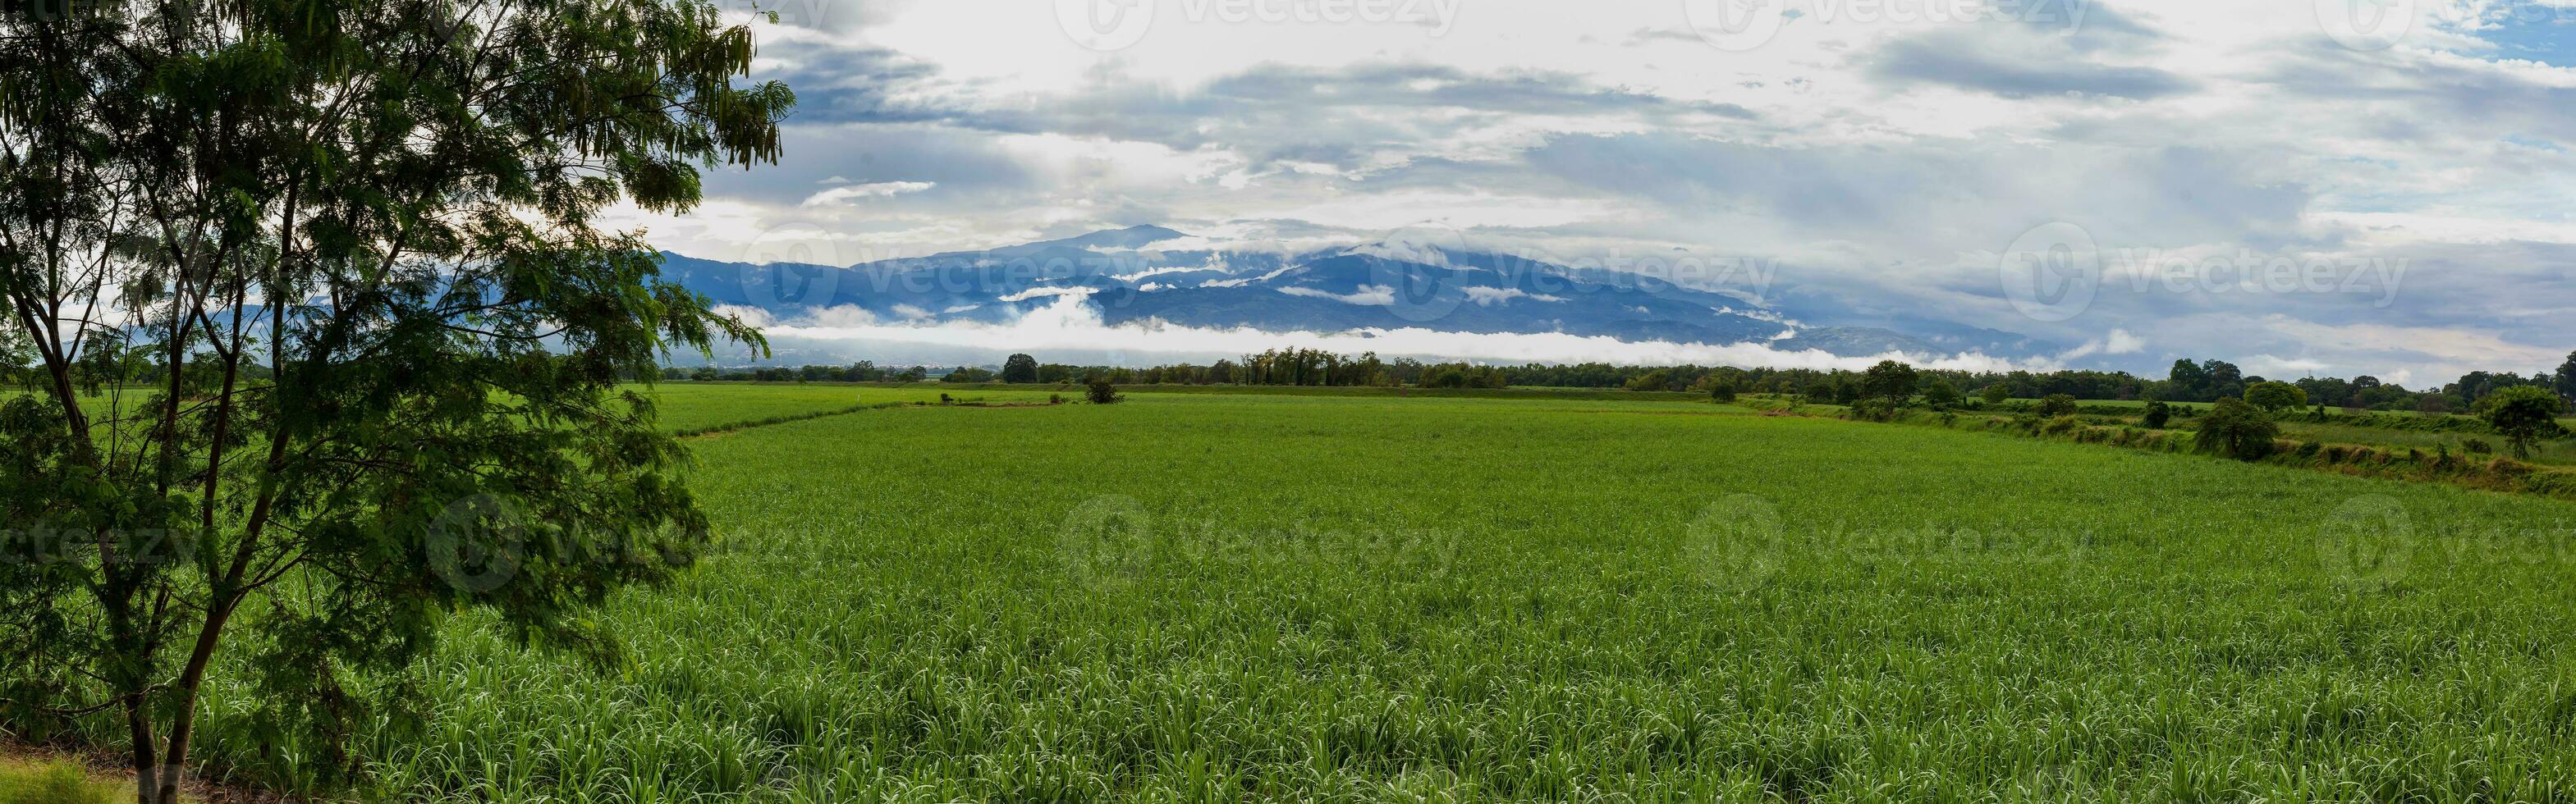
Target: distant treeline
[(2187, 381)]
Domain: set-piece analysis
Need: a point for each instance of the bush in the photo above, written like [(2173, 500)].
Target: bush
[(1657, 380), (2158, 413), (1876, 409), (2477, 446), (2055, 405), (2237, 430), (1102, 392), (52, 783), (1722, 391), (1996, 394), (2524, 415)]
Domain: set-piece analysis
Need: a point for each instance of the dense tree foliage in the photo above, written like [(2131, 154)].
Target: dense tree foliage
[(2523, 415), (2237, 429), (334, 266), (1890, 380), (1020, 369), (2275, 396)]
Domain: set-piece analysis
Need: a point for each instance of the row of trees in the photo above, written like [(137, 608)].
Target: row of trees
[(2186, 381), (2242, 426)]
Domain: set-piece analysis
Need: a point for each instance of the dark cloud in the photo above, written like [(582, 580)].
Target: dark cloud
[(1959, 62)]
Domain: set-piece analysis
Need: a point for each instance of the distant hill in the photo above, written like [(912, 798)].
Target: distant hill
[(1387, 284)]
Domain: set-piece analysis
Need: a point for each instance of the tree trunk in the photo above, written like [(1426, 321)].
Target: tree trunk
[(138, 724)]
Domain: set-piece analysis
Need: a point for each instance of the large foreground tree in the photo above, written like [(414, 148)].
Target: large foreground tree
[(327, 341)]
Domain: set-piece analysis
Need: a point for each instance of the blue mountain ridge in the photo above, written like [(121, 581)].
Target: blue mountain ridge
[(1386, 285)]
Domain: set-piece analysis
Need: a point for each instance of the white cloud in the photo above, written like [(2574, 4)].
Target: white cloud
[(1036, 292), (1488, 297), (1073, 325), (883, 189), (2118, 342), (845, 315), (753, 316), (1368, 295)]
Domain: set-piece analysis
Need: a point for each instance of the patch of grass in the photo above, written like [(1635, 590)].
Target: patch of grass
[(689, 408), (55, 782)]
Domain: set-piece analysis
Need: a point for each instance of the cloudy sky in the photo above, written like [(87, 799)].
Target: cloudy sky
[(2330, 186)]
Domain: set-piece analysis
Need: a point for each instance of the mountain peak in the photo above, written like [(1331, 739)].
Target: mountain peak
[(1128, 238)]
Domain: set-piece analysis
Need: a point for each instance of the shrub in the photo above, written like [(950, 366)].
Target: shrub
[(2524, 415), (1055, 399), (2237, 430), (2055, 405), (1102, 392), (1941, 394), (1722, 391), (1996, 394), (2062, 425), (2158, 413), (2477, 446)]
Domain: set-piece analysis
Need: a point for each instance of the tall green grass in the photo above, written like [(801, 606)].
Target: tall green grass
[(1256, 598)]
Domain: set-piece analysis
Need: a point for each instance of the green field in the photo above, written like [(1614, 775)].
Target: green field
[(1253, 598), (697, 407)]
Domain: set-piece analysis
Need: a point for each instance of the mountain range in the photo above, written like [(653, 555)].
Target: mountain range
[(1430, 281)]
